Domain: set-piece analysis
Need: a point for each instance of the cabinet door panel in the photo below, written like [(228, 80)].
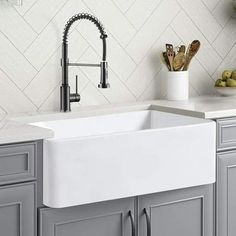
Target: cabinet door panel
[(101, 219), (17, 163), (226, 194), (180, 213), (226, 133), (17, 210)]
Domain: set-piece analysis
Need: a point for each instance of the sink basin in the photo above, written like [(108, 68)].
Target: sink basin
[(114, 156)]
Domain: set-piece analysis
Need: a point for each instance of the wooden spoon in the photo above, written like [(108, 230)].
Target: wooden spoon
[(179, 61), (191, 52)]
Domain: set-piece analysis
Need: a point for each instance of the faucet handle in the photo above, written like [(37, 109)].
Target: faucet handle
[(76, 84), (75, 97)]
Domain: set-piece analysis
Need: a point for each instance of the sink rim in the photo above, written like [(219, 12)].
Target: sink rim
[(189, 121)]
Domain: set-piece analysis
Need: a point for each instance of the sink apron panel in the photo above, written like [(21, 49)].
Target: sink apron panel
[(86, 170)]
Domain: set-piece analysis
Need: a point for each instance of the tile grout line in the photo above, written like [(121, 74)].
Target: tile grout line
[(124, 15), (198, 27), (17, 86), (211, 12), (216, 5), (30, 8), (224, 58), (132, 4), (26, 22), (158, 5), (60, 9), (44, 64), (12, 43)]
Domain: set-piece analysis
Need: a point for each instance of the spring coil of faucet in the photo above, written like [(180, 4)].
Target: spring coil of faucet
[(82, 16)]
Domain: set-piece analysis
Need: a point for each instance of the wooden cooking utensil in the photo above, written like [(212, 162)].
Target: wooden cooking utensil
[(182, 48), (170, 55), (179, 61), (166, 60), (191, 52)]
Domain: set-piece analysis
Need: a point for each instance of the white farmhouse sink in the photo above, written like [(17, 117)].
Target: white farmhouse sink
[(114, 156)]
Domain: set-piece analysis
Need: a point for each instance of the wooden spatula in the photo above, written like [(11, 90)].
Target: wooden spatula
[(166, 60), (170, 54)]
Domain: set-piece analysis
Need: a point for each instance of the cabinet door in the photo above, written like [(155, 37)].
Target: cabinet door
[(180, 213), (17, 210), (226, 194), (109, 218)]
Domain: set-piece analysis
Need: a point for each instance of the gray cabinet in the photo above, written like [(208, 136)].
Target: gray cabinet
[(226, 194), (177, 213), (109, 218), (17, 210), (18, 193)]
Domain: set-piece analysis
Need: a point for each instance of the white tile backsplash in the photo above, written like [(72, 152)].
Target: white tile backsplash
[(141, 11), (116, 22), (14, 63), (50, 38), (30, 39), (152, 29), (223, 11), (39, 19), (202, 18), (15, 28), (226, 39), (22, 9), (11, 97), (211, 4), (124, 5)]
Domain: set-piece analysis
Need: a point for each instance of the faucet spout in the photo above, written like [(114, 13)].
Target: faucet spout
[(66, 97)]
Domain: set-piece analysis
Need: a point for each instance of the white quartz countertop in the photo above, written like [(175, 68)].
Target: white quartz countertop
[(13, 132), (207, 107), (18, 129)]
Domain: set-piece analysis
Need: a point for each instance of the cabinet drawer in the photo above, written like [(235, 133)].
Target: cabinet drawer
[(226, 131), (17, 163)]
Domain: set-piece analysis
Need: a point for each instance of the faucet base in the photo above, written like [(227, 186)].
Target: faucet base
[(104, 86)]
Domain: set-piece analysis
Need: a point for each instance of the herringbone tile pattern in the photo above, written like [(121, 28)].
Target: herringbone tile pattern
[(30, 48)]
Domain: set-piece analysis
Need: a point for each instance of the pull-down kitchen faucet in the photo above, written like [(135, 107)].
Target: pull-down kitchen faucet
[(66, 96)]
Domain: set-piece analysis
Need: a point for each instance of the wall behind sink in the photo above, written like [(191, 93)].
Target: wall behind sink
[(30, 39)]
